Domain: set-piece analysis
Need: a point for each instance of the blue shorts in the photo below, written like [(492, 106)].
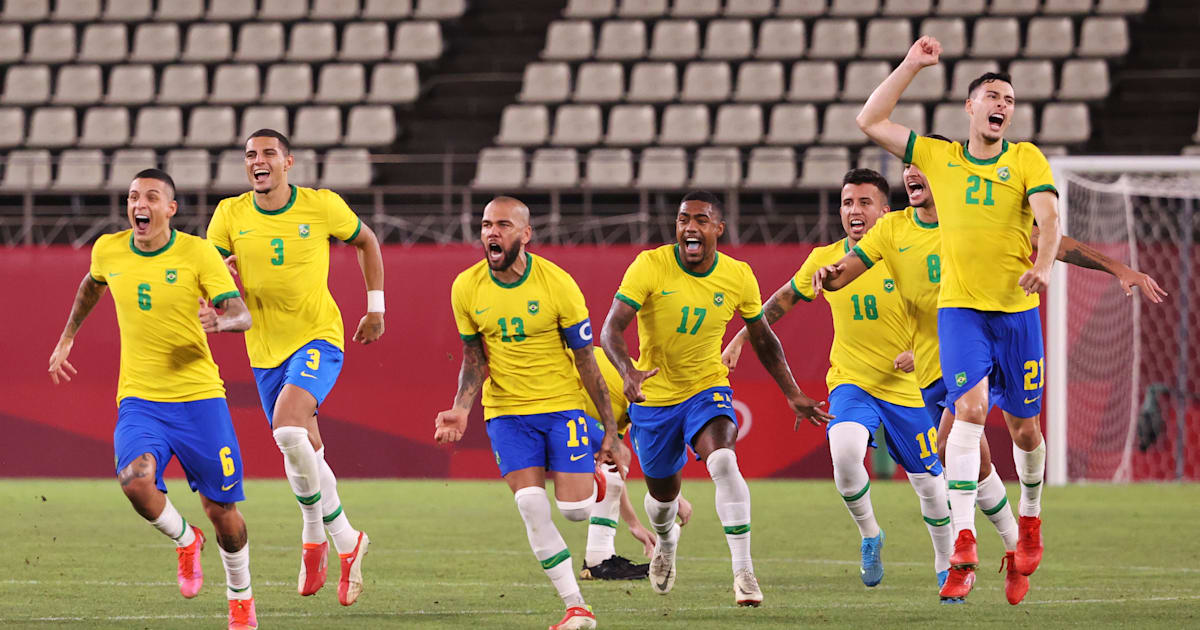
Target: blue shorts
[(200, 433), (313, 368), (662, 435), (1005, 348), (911, 438), (558, 441), (935, 400)]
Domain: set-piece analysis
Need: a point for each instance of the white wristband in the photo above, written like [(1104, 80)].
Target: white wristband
[(375, 302)]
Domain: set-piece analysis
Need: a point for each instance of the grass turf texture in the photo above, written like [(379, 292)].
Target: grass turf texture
[(454, 555)]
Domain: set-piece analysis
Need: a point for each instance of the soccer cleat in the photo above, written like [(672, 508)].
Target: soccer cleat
[(965, 554), (312, 568), (745, 588), (662, 566), (1029, 545), (350, 586), (1015, 584), (941, 578), (872, 565), (241, 614), (601, 483), (615, 568), (958, 585), (577, 618), (191, 575)]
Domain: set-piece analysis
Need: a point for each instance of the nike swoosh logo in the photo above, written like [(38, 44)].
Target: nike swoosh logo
[(904, 249), (662, 586), (576, 458), (303, 373), (1030, 402), (928, 466), (481, 312), (244, 232), (224, 488), (952, 164), (670, 292), (114, 274)]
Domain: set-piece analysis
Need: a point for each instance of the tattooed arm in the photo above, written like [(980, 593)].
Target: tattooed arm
[(776, 307), (1075, 253), (86, 297), (452, 423)]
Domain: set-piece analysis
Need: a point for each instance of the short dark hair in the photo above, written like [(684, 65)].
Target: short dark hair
[(986, 78), (704, 196), (271, 133), (868, 176), (159, 174)]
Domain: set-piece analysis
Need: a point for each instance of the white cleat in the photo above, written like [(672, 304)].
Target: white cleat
[(662, 566), (745, 588)]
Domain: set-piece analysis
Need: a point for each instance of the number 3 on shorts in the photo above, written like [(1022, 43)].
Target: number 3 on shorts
[(226, 461), (314, 359)]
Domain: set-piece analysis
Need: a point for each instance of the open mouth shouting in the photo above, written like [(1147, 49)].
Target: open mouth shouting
[(261, 176), (141, 223), (996, 122), (858, 227), (495, 253), (693, 245)]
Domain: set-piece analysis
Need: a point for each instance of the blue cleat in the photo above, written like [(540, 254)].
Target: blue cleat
[(872, 565), (941, 578)]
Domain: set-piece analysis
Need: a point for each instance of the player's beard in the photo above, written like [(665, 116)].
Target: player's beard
[(510, 256)]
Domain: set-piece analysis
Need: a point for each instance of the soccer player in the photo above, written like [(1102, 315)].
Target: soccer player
[(276, 237), (868, 383), (524, 320), (910, 244), (170, 397), (684, 296)]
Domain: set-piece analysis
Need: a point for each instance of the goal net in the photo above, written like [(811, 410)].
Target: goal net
[(1123, 374)]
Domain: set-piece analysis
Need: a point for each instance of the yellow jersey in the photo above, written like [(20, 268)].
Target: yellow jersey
[(871, 327), (985, 219), (682, 317), (911, 249), (616, 393), (523, 325), (283, 259), (164, 351)]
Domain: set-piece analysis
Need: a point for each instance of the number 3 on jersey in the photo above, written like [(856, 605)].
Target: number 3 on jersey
[(277, 245)]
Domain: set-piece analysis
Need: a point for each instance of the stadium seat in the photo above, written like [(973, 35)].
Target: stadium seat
[(569, 40), (780, 39), (771, 167), (622, 39), (127, 11), (1122, 7), (577, 125), (599, 82), (337, 10), (364, 41), (815, 81), (675, 39), (370, 126), (910, 115), (929, 85), (386, 9), (1064, 123), (862, 77), (653, 82), (996, 37), (284, 10), (210, 126), (834, 39), (312, 41), (499, 169), (341, 83), (950, 32), (884, 163), (439, 9), (589, 9), (609, 168), (12, 43), (706, 82), (394, 83), (524, 125), (304, 168), (759, 81), (1067, 7), (888, 38), (684, 125), (158, 127), (1084, 80), (695, 8), (208, 42), (740, 125), (51, 43), (662, 167), (130, 85), (630, 125), (749, 8), (80, 169), (824, 167), (554, 168), (1021, 129), (104, 43), (183, 84), (129, 162), (1049, 37), (716, 168), (231, 171), (287, 83), (26, 169), (792, 124), (839, 126), (317, 126), (642, 9), (346, 168), (967, 71), (1033, 79), (26, 85), (418, 41), (155, 43), (854, 8), (545, 82), (77, 85), (801, 8), (1014, 7), (190, 168), (52, 127), (264, 117), (235, 84), (12, 127), (961, 7), (105, 127), (728, 39), (180, 11), (907, 8), (25, 11), (259, 42), (950, 120), (1103, 37)]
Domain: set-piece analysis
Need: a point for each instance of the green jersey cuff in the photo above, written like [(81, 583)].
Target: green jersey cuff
[(224, 296), (224, 252), (796, 290), (355, 234), (1042, 188), (469, 337), (863, 257), (908, 150), (630, 301), (751, 320)]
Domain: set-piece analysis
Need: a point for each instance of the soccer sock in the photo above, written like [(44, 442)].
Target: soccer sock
[(237, 573), (548, 546), (1031, 468), (602, 528), (993, 502), (344, 536), (303, 473), (662, 519), (847, 447), (962, 471), (931, 491), (172, 523), (733, 505)]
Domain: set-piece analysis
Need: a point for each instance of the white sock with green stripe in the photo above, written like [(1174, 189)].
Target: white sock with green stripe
[(237, 573), (304, 476), (172, 523), (345, 537), (993, 502), (602, 528), (733, 505), (847, 448), (548, 546), (1031, 469), (935, 510), (962, 471), (662, 519)]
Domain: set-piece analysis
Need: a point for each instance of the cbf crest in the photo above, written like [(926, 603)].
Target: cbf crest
[(718, 298), (534, 307), (303, 230), (1003, 173), (889, 285), (172, 276)]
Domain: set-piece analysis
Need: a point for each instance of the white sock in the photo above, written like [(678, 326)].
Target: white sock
[(345, 537), (548, 546), (172, 523), (931, 491), (576, 511), (993, 502), (602, 527), (962, 471), (1031, 468), (847, 448), (733, 505), (303, 473), (662, 519), (237, 573)]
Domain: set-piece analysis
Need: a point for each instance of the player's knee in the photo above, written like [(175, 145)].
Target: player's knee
[(289, 437), (577, 510), (722, 463), (1027, 435), (137, 479), (925, 485), (533, 505)]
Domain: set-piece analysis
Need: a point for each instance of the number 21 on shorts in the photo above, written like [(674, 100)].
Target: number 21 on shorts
[(1035, 374)]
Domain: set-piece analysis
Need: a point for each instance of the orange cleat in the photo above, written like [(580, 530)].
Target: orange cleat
[(577, 618), (965, 555), (350, 586), (241, 614), (1015, 584), (191, 575), (1029, 545), (958, 585), (312, 568)]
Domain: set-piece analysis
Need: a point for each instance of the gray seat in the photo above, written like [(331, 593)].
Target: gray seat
[(1015, 7), (287, 10), (884, 163), (862, 77), (524, 125), (1084, 80), (370, 126), (609, 168), (792, 124), (235, 84), (824, 167), (684, 125), (1021, 129), (264, 117), (312, 41), (341, 83), (500, 168), (77, 85), (126, 163), (950, 120), (127, 11), (364, 41), (802, 8), (996, 37), (967, 71), (854, 8), (394, 83), (907, 8), (728, 39), (104, 43), (440, 9), (839, 126), (190, 168), (662, 167), (12, 43), (834, 38), (26, 85), (813, 81), (208, 43), (346, 168), (716, 168), (545, 82), (386, 9), (1103, 37), (52, 127), (554, 168), (599, 82), (771, 167), (961, 7), (1122, 7), (1033, 79), (26, 169), (950, 32), (622, 40), (589, 9), (79, 170), (781, 39), (1065, 123), (25, 11), (158, 127), (675, 40), (51, 43), (576, 125), (1067, 7), (653, 82), (287, 83), (642, 8), (888, 38), (12, 127), (231, 171), (1051, 37), (929, 85), (317, 126), (759, 81), (706, 82), (630, 125), (340, 10), (210, 126), (417, 41), (180, 11), (155, 43), (183, 84), (259, 42), (749, 8), (740, 125), (105, 127), (569, 40)]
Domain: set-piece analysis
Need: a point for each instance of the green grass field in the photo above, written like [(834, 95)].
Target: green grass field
[(454, 555)]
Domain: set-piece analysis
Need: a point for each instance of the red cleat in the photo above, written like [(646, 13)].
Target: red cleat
[(1015, 584), (965, 555), (958, 585), (601, 483), (191, 575), (350, 586), (241, 614), (577, 618), (312, 568), (1029, 545)]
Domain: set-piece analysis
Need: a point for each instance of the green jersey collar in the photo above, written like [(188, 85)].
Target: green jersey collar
[(287, 206), (156, 252), (679, 261), (992, 160), (513, 285)]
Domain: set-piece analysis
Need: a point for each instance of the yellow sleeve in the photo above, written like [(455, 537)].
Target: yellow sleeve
[(923, 151), (750, 307), (1035, 169), (96, 270), (802, 281), (218, 231), (462, 314), (877, 240), (636, 285), (215, 278), (572, 308), (343, 223)]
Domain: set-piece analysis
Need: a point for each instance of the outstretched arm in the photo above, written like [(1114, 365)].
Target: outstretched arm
[(874, 118), (835, 276), (770, 352), (612, 339), (776, 307), (236, 317), (1075, 253), (452, 423), (597, 390), (370, 259), (86, 297)]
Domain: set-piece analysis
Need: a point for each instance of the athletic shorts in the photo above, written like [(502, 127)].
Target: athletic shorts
[(911, 438), (663, 435), (200, 433), (935, 400), (313, 368), (559, 441), (1006, 348)]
